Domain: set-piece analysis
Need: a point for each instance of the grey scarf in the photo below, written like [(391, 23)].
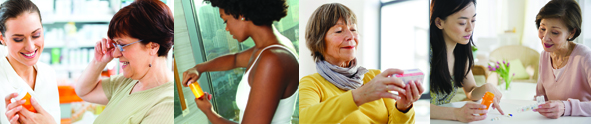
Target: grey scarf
[(344, 78)]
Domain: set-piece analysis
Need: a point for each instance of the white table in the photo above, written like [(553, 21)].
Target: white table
[(520, 95)]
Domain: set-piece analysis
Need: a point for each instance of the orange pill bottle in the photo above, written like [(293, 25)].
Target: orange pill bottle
[(487, 99), (24, 95), (197, 91)]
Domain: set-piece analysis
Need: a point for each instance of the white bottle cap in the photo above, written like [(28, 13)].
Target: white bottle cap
[(21, 94)]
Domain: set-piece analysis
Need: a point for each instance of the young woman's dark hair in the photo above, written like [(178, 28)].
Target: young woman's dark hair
[(147, 20), (13, 8), (260, 12), (440, 78)]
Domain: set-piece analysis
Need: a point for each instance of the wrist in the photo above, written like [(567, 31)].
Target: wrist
[(356, 97), (454, 113), (402, 107)]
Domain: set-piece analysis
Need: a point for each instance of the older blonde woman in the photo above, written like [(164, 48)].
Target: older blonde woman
[(342, 91), (140, 35), (565, 66)]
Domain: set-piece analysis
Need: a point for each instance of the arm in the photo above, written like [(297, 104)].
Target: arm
[(226, 62), (396, 116), (89, 87), (442, 113), (574, 107), (221, 63)]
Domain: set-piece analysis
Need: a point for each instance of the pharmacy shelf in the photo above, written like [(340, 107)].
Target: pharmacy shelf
[(105, 18), (64, 45)]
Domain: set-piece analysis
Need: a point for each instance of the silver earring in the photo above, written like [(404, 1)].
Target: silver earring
[(242, 18)]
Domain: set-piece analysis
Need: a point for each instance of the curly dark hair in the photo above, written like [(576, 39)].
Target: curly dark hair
[(260, 12)]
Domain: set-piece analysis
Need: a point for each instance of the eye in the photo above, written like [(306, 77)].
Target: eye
[(353, 29), (462, 23), (555, 33), (474, 20), (17, 39), (37, 35), (543, 29)]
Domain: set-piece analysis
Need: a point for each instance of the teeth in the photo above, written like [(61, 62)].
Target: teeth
[(125, 63), (29, 55)]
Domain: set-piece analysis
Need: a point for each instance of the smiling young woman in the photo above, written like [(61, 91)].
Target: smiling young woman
[(22, 34)]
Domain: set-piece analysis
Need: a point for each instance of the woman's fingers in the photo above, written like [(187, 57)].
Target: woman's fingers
[(36, 105), (12, 112), (392, 83), (478, 118), (15, 104), (14, 120), (10, 96), (415, 91), (497, 106), (390, 71)]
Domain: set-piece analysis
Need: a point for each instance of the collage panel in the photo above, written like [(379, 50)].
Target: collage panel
[(345, 75), (239, 44), (510, 61), (78, 61)]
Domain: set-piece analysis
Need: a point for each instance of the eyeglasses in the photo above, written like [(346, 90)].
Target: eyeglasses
[(121, 46)]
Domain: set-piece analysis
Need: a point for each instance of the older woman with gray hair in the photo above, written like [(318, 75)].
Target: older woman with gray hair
[(343, 91)]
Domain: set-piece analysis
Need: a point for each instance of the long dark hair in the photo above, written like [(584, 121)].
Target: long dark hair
[(440, 78)]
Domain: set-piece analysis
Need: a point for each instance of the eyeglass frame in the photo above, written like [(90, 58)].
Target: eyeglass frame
[(121, 46)]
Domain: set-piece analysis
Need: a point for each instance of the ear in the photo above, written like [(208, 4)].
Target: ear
[(571, 34), (439, 23), (153, 48), (2, 41)]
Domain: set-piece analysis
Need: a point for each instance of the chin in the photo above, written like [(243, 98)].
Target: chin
[(464, 42)]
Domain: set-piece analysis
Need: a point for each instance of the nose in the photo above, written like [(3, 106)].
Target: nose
[(29, 45), (470, 26), (544, 38), (349, 35), (116, 53)]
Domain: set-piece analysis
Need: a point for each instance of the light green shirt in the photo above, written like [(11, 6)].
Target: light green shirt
[(152, 106)]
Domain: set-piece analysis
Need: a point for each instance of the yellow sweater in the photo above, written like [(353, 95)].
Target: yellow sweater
[(322, 102)]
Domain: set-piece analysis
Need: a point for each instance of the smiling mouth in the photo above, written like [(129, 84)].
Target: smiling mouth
[(348, 47), (548, 45), (29, 55)]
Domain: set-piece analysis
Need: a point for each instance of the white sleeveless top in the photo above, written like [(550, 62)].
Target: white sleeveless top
[(286, 106)]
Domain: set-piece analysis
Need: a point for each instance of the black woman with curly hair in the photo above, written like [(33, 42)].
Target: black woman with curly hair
[(268, 89)]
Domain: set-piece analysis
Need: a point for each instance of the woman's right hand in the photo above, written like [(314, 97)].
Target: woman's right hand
[(103, 50), (190, 76), (13, 108), (470, 112), (379, 87)]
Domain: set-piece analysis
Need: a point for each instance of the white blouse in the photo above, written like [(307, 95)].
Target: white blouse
[(46, 91)]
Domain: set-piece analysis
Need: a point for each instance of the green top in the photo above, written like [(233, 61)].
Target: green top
[(440, 98), (152, 106)]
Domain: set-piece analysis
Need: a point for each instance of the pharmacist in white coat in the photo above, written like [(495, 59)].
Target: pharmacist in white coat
[(22, 42)]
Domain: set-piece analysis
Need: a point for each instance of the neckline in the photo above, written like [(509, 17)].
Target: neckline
[(135, 82), (20, 79), (568, 63)]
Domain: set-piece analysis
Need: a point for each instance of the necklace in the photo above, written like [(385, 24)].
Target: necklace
[(558, 62)]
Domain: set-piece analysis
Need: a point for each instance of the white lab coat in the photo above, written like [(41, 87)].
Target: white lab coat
[(46, 92)]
